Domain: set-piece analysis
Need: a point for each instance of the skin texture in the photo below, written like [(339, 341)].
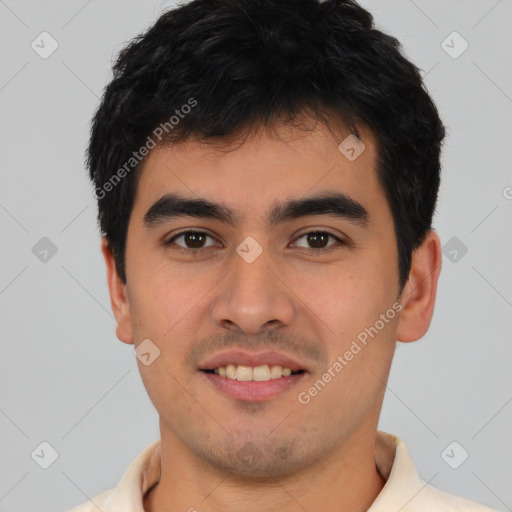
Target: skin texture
[(310, 307)]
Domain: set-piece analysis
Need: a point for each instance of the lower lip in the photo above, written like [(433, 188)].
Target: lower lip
[(253, 391)]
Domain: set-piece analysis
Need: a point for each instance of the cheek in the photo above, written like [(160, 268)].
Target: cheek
[(348, 302), (163, 297), (167, 307), (347, 296)]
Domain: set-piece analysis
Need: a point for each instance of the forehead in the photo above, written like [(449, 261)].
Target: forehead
[(250, 174)]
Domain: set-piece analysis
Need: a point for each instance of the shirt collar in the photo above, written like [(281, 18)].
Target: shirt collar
[(396, 466), (391, 456), (142, 474)]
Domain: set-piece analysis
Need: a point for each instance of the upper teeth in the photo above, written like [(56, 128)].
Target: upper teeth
[(258, 373)]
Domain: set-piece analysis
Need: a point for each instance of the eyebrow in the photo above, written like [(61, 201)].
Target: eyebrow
[(172, 206)]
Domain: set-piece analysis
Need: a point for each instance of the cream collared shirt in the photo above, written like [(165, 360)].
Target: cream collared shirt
[(404, 490)]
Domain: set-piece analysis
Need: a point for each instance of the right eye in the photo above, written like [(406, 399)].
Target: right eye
[(195, 239)]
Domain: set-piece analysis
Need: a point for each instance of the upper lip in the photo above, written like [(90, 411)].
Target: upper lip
[(239, 357)]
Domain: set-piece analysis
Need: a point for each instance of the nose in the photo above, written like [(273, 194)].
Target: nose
[(252, 298)]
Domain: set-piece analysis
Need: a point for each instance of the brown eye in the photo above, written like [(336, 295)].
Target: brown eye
[(317, 240), (192, 240)]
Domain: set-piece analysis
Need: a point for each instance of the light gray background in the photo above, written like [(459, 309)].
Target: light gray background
[(67, 380)]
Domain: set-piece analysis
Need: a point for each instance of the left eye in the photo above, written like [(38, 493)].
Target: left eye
[(318, 239)]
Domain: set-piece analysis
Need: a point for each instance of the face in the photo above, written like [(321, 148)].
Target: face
[(312, 288)]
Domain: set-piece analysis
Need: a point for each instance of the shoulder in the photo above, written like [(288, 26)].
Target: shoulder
[(433, 499), (141, 474), (101, 501), (405, 490)]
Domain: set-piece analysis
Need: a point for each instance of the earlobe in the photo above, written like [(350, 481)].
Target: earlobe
[(118, 297), (419, 294)]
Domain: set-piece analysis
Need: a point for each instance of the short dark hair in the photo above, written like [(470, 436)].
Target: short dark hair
[(240, 63)]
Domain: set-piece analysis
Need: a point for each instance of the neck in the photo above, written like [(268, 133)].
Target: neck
[(346, 479)]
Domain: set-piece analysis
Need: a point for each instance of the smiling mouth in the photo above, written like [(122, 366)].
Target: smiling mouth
[(252, 373)]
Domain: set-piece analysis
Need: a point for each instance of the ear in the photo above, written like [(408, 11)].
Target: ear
[(118, 296), (419, 294)]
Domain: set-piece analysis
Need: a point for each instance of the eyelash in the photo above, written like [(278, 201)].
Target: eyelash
[(309, 251)]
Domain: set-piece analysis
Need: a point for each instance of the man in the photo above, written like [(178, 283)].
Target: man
[(266, 174)]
